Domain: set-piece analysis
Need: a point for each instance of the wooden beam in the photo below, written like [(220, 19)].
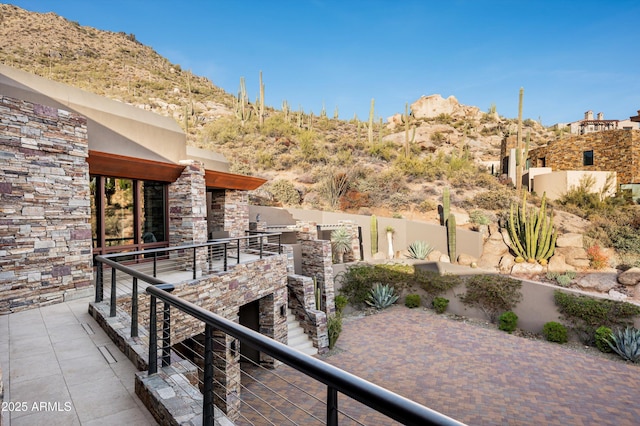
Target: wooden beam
[(104, 164), (223, 180)]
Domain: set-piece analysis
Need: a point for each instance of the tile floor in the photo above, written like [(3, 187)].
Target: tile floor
[(62, 369)]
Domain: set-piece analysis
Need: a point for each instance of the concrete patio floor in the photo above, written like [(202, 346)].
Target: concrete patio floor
[(60, 359)]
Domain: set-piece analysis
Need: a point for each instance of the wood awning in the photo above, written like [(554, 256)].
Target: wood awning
[(225, 180), (105, 164)]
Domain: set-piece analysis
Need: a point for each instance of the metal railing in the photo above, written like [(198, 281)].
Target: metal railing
[(216, 255), (337, 381)]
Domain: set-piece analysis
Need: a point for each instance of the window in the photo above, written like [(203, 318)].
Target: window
[(127, 212), (587, 158)]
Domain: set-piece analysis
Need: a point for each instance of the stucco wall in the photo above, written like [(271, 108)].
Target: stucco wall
[(45, 228), (406, 231)]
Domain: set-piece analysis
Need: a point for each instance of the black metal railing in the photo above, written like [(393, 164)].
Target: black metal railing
[(336, 380), (217, 251)]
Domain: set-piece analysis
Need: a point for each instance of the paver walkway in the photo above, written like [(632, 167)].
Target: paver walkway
[(60, 359), (475, 375)]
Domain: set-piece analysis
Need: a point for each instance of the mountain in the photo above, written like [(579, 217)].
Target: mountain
[(315, 161)]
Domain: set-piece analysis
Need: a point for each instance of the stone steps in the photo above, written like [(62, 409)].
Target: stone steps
[(297, 339)]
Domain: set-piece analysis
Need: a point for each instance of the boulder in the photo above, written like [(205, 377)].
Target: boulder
[(527, 270), (630, 277), (602, 282), (492, 251), (574, 256), (433, 105), (466, 259), (444, 258), (558, 264), (494, 232), (616, 295), (506, 264), (570, 240), (434, 256)]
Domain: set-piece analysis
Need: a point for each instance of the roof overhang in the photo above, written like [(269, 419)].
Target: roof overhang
[(222, 180), (106, 164)]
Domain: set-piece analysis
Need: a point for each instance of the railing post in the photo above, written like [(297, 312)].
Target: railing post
[(99, 278), (279, 243), (112, 308), (194, 263), (238, 259), (225, 262), (261, 246), (153, 338), (155, 264), (166, 335), (332, 406), (207, 409), (134, 308)]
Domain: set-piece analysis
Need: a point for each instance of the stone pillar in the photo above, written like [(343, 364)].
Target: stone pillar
[(236, 212), (188, 212), (226, 373), (316, 262), (302, 292), (45, 213), (352, 228)]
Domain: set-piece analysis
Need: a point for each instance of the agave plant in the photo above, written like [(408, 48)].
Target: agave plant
[(419, 250), (626, 343), (382, 296)]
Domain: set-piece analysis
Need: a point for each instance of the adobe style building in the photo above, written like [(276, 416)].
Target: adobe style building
[(84, 175), (598, 124)]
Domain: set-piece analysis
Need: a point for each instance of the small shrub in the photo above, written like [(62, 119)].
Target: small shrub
[(597, 258), (440, 304), (492, 294), (626, 343), (334, 328), (508, 322), (478, 217), (419, 250), (412, 300), (358, 280), (434, 283), (341, 302), (555, 332), (603, 334), (382, 296), (563, 280), (284, 191)]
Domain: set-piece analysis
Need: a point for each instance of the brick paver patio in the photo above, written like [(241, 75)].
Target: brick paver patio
[(476, 375)]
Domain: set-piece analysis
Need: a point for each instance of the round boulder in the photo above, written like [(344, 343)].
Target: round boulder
[(630, 277)]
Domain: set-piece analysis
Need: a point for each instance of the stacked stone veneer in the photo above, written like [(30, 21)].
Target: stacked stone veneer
[(615, 150), (353, 230), (303, 304), (317, 263), (264, 280), (229, 211), (45, 228)]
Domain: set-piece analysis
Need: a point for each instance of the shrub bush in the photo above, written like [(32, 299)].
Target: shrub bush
[(334, 328), (434, 283), (508, 322), (341, 302), (412, 300), (284, 191), (492, 294), (603, 336), (358, 280), (597, 258), (586, 314), (555, 332), (440, 304)]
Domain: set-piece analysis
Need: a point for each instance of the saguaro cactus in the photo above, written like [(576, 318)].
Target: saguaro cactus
[(374, 235), (446, 206), (408, 140), (533, 237), (371, 110), (451, 238), (519, 164)]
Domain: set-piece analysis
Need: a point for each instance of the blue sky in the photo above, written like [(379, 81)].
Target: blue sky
[(569, 56)]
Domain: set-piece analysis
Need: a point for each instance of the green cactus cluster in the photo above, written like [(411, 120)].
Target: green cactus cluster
[(242, 107), (451, 238), (533, 237), (446, 206), (374, 235)]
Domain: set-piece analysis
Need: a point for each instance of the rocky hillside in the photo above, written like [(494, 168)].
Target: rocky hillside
[(395, 167)]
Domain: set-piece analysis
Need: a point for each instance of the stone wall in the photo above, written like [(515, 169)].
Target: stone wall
[(229, 211), (187, 206), (616, 150), (45, 228), (303, 304), (317, 263)]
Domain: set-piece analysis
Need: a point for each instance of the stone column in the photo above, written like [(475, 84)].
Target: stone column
[(188, 212)]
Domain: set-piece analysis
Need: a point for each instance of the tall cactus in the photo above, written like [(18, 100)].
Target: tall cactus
[(519, 165), (446, 206), (242, 110), (451, 238), (533, 237), (261, 102), (374, 235), (286, 110), (408, 141)]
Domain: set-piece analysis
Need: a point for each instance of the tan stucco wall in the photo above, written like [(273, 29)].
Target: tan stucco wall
[(556, 184), (406, 231)]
